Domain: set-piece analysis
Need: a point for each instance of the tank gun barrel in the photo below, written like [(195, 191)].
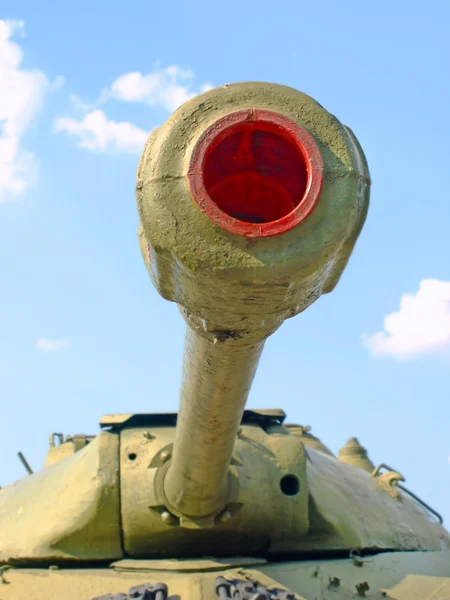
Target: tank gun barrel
[(216, 382), (251, 198)]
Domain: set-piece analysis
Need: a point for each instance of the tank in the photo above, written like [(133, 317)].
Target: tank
[(251, 198)]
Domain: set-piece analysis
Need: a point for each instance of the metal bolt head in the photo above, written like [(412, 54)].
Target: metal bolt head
[(334, 582), (167, 517), (165, 455), (225, 516), (362, 588)]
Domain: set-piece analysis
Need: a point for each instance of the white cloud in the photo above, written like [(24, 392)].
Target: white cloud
[(46, 345), (79, 105), (167, 88), (95, 132), (58, 83), (421, 326), (21, 96)]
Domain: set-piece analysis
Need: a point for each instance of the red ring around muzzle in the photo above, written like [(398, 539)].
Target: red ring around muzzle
[(256, 173)]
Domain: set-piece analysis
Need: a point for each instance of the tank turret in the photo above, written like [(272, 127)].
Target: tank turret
[(251, 198)]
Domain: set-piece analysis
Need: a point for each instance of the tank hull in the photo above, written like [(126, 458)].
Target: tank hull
[(399, 576)]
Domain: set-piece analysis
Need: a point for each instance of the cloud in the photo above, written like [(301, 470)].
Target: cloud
[(46, 345), (79, 105), (167, 88), (420, 327), (58, 83), (21, 97), (95, 132)]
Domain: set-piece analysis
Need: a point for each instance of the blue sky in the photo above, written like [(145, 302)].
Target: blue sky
[(83, 332)]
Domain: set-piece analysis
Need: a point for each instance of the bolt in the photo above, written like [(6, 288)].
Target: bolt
[(165, 455), (167, 517), (225, 516), (334, 582), (362, 588)]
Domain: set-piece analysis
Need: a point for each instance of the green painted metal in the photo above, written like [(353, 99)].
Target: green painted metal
[(391, 576), (232, 291), (153, 494)]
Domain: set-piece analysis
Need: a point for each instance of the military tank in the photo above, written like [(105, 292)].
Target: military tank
[(251, 198)]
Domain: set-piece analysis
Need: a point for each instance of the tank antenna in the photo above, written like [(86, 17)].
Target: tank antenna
[(24, 461)]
